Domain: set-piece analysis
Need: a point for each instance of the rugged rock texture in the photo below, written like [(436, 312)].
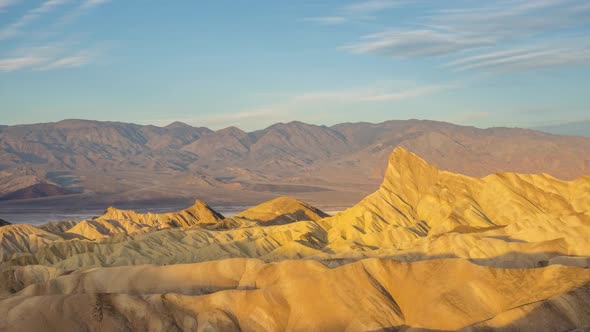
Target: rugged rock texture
[(15, 239), (248, 295), (429, 250), (281, 210), (130, 222)]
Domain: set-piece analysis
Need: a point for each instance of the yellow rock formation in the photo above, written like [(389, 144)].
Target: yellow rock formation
[(428, 250), (281, 210), (115, 221)]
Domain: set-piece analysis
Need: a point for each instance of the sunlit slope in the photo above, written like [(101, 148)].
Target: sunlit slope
[(416, 200), (278, 211), (248, 295), (115, 221), (429, 250), (419, 213), (23, 239)]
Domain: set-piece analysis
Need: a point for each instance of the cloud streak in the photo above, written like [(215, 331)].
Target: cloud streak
[(417, 43), (44, 58), (7, 3), (305, 106), (16, 63), (371, 6), (327, 20), (32, 15), (482, 37)]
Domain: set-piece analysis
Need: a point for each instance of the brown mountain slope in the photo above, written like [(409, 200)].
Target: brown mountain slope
[(157, 163), (36, 191)]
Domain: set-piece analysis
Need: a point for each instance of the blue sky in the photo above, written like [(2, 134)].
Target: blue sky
[(254, 63)]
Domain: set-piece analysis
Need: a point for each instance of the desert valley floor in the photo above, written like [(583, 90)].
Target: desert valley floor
[(429, 250)]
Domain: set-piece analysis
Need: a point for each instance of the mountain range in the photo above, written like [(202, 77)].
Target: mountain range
[(429, 250), (80, 162)]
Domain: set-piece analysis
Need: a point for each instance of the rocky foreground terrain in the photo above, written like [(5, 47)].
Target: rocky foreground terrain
[(429, 250)]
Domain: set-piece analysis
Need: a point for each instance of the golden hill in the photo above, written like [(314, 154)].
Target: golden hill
[(418, 213), (503, 251), (115, 221), (249, 295), (23, 239), (418, 201), (278, 211)]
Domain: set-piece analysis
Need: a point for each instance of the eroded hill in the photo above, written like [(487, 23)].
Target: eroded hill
[(428, 250)]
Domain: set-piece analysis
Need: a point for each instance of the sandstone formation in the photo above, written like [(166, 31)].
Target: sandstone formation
[(130, 222), (281, 210), (429, 250)]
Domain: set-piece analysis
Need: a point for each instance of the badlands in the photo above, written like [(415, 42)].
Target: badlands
[(430, 250)]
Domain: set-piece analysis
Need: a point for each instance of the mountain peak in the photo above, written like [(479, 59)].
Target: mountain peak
[(282, 210), (178, 124), (405, 167), (400, 157)]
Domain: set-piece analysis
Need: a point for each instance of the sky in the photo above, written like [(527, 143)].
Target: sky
[(253, 63)]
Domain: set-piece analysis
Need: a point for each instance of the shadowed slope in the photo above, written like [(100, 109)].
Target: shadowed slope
[(248, 295)]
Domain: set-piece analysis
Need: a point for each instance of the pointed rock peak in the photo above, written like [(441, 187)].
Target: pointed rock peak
[(199, 203), (203, 207), (402, 157), (290, 208), (405, 167), (400, 153), (111, 212), (110, 209)]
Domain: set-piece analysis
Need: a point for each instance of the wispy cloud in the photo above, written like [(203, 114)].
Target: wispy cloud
[(482, 36), (53, 55), (327, 20), (521, 60), (74, 61), (372, 6), (417, 43), (314, 106), (32, 15), (16, 63), (47, 57), (371, 94), (357, 11), (80, 10), (7, 3)]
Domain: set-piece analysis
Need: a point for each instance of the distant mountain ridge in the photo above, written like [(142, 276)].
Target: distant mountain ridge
[(128, 162)]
